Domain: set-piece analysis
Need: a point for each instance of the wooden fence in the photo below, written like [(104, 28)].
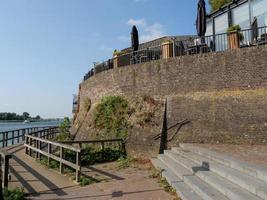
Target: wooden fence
[(119, 141), (4, 163), (44, 147)]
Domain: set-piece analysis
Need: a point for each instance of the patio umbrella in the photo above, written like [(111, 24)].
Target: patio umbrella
[(254, 28), (201, 18), (135, 38)]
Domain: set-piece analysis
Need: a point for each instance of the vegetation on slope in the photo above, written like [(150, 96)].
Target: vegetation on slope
[(111, 115)]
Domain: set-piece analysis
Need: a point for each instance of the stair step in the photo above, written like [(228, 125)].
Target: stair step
[(183, 190), (256, 171), (203, 189), (252, 184), (226, 187)]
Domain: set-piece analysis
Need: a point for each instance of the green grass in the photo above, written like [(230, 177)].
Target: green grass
[(13, 194), (124, 162), (87, 181)]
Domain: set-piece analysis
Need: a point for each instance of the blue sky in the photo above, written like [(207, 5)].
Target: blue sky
[(46, 46)]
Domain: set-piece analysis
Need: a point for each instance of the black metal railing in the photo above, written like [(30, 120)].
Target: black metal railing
[(194, 45), (17, 136)]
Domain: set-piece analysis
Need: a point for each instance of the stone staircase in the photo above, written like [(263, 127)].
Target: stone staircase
[(200, 174)]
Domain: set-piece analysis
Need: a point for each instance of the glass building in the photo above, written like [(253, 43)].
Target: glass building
[(239, 12)]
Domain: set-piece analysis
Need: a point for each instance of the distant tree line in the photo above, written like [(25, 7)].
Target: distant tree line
[(13, 116)]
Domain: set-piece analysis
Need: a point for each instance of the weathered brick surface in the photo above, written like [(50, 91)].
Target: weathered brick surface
[(222, 94)]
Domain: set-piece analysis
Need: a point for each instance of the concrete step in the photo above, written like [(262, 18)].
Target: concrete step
[(182, 189), (244, 167), (252, 184), (224, 186), (203, 189)]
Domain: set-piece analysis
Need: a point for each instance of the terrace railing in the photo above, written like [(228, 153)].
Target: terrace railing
[(195, 45), (17, 136)]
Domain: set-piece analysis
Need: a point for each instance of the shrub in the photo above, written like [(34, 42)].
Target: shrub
[(64, 133), (236, 28), (111, 115), (91, 156), (13, 194)]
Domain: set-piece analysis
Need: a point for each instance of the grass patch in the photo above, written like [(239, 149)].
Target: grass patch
[(124, 162), (14, 194), (87, 181)]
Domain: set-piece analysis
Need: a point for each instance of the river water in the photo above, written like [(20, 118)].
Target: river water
[(7, 126)]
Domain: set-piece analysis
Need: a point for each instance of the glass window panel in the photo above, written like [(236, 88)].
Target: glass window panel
[(209, 28), (259, 10), (240, 16), (221, 26), (221, 23)]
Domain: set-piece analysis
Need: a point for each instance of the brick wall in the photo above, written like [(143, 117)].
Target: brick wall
[(222, 94)]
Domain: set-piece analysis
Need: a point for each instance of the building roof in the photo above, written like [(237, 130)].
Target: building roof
[(159, 41)]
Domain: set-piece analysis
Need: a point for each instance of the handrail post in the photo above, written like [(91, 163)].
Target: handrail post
[(17, 136), (23, 134), (49, 152), (60, 163), (6, 138), (5, 167), (102, 150), (13, 135), (30, 142), (27, 142), (79, 168), (123, 147), (3, 140)]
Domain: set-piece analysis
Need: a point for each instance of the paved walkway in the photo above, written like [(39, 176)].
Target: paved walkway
[(43, 183), (32, 176)]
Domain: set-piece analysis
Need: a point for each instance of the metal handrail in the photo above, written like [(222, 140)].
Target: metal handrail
[(216, 42)]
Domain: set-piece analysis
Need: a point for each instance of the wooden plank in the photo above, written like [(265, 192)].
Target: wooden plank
[(90, 141), (55, 143)]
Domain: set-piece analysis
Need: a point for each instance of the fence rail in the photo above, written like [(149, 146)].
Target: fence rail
[(120, 142), (16, 136), (44, 147), (195, 45)]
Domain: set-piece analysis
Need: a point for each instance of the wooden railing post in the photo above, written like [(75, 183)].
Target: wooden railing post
[(49, 152), (123, 148), (30, 145), (79, 168), (27, 142), (60, 163), (102, 150), (5, 166), (23, 134)]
